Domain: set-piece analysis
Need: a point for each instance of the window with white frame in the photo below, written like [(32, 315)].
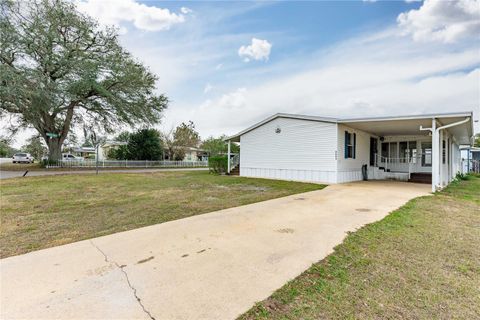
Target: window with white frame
[(350, 144)]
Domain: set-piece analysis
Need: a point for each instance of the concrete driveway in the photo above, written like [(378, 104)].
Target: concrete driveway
[(211, 266)]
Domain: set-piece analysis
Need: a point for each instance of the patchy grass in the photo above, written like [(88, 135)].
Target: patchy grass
[(41, 212), (421, 262), (9, 166)]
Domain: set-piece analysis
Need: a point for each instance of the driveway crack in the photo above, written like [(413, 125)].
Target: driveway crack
[(121, 267)]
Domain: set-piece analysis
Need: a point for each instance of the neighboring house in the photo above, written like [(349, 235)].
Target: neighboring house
[(108, 145), (191, 154), (103, 149), (471, 159), (84, 152), (329, 150), (195, 154)]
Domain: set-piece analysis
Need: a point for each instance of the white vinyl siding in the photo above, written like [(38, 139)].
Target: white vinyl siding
[(351, 169), (303, 150)]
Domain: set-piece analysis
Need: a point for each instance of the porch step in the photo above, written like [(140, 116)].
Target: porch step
[(421, 177), (235, 171)]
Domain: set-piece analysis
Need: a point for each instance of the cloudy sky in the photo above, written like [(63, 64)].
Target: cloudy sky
[(227, 65)]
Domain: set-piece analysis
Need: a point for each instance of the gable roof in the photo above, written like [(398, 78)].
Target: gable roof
[(282, 115)]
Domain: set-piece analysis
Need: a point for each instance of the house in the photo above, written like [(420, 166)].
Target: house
[(108, 145), (103, 149), (195, 154), (471, 159), (421, 148), (84, 152), (190, 154)]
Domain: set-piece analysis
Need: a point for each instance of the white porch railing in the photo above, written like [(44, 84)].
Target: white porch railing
[(405, 164), (234, 161)]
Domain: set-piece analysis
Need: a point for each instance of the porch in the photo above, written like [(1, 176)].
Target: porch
[(420, 148)]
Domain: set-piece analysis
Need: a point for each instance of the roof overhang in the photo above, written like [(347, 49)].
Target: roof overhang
[(388, 126), (410, 125)]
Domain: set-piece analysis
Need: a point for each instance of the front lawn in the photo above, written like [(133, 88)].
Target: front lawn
[(420, 262), (41, 212), (9, 166)]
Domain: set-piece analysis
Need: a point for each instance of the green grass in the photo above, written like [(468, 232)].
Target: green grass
[(421, 262), (41, 212)]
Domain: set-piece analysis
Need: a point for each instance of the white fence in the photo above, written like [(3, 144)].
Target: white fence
[(127, 164)]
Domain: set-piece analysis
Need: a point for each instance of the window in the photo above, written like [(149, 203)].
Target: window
[(412, 151), (385, 150), (408, 151), (444, 151), (350, 144), (426, 154), (373, 150), (404, 152), (393, 150)]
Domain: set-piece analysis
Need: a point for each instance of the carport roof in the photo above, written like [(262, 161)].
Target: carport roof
[(391, 125)]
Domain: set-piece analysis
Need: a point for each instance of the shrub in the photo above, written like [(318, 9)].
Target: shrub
[(218, 164), (461, 176)]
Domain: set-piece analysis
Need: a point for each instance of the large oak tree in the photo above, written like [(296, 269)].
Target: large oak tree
[(59, 69)]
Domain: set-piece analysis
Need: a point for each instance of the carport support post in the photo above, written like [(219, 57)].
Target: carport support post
[(440, 159), (435, 153), (228, 157)]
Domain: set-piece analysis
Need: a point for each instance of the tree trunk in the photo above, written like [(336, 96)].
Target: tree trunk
[(54, 149), (55, 144)]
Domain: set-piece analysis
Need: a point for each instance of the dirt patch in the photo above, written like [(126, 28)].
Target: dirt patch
[(253, 188), (363, 210)]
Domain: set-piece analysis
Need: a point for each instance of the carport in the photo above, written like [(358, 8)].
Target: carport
[(426, 144)]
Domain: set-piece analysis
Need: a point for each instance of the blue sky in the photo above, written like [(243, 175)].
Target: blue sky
[(226, 65), (295, 29)]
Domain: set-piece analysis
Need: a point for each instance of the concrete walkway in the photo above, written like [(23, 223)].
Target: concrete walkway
[(4, 174), (211, 266)]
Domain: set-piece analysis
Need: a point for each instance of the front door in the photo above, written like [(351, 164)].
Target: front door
[(373, 150)]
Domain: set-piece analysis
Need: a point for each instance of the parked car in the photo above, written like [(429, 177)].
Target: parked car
[(22, 158), (71, 157)]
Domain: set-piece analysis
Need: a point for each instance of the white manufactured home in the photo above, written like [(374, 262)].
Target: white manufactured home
[(421, 148)]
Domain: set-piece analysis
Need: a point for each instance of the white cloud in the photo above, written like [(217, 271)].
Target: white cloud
[(186, 10), (257, 50), (114, 12), (208, 88), (445, 21), (232, 100), (374, 76)]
